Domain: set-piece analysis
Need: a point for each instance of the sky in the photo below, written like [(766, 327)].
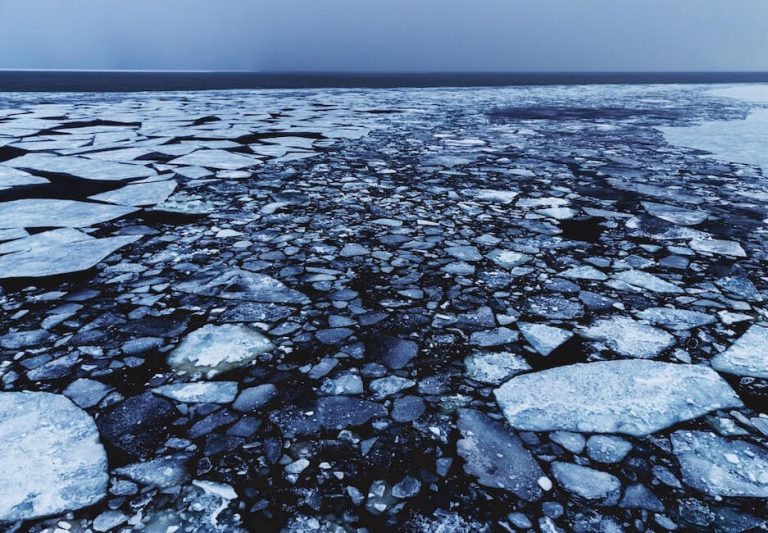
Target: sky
[(386, 35)]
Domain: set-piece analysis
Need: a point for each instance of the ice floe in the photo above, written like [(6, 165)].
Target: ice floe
[(748, 356), (214, 349), (721, 467), (634, 397), (53, 461)]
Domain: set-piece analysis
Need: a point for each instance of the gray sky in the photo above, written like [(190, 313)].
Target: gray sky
[(385, 35)]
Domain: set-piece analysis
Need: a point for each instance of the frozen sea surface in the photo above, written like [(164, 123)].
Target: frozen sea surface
[(742, 141), (477, 309)]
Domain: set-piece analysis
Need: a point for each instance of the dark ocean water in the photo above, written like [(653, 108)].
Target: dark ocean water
[(58, 81)]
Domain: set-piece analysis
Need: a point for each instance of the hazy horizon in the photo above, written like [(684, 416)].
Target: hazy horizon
[(397, 36)]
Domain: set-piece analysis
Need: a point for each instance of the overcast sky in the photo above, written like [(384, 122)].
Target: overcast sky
[(385, 35)]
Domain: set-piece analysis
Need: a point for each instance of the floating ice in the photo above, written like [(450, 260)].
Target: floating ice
[(139, 194), (587, 482), (644, 280), (60, 259), (742, 141), (237, 284), (81, 167), (634, 397), (721, 467), (629, 337), (496, 456), (674, 214), (491, 195), (215, 349), (11, 177), (715, 246), (200, 392), (584, 272), (544, 339), (50, 213), (217, 159), (494, 367), (748, 356), (676, 319), (508, 258), (52, 459)]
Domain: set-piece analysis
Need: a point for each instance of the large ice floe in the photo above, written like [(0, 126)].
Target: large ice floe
[(52, 213), (53, 461), (634, 397), (748, 356), (38, 257)]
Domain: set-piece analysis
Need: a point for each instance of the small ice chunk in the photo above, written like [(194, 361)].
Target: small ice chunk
[(215, 349), (544, 339)]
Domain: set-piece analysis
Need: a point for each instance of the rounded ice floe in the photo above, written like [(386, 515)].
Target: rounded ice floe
[(633, 397), (587, 482), (748, 356), (53, 461), (215, 349)]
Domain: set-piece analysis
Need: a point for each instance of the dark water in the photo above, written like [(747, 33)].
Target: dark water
[(57, 81)]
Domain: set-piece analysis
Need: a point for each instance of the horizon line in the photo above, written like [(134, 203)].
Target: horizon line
[(379, 72)]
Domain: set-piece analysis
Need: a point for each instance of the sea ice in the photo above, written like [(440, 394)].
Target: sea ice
[(494, 367), (215, 349), (721, 467), (587, 482), (715, 246), (629, 337), (237, 284), (51, 213), (748, 356), (217, 159), (676, 319), (53, 461), (495, 455), (544, 339), (674, 214), (644, 280), (81, 167), (199, 392), (139, 194), (742, 141), (634, 397), (61, 258)]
